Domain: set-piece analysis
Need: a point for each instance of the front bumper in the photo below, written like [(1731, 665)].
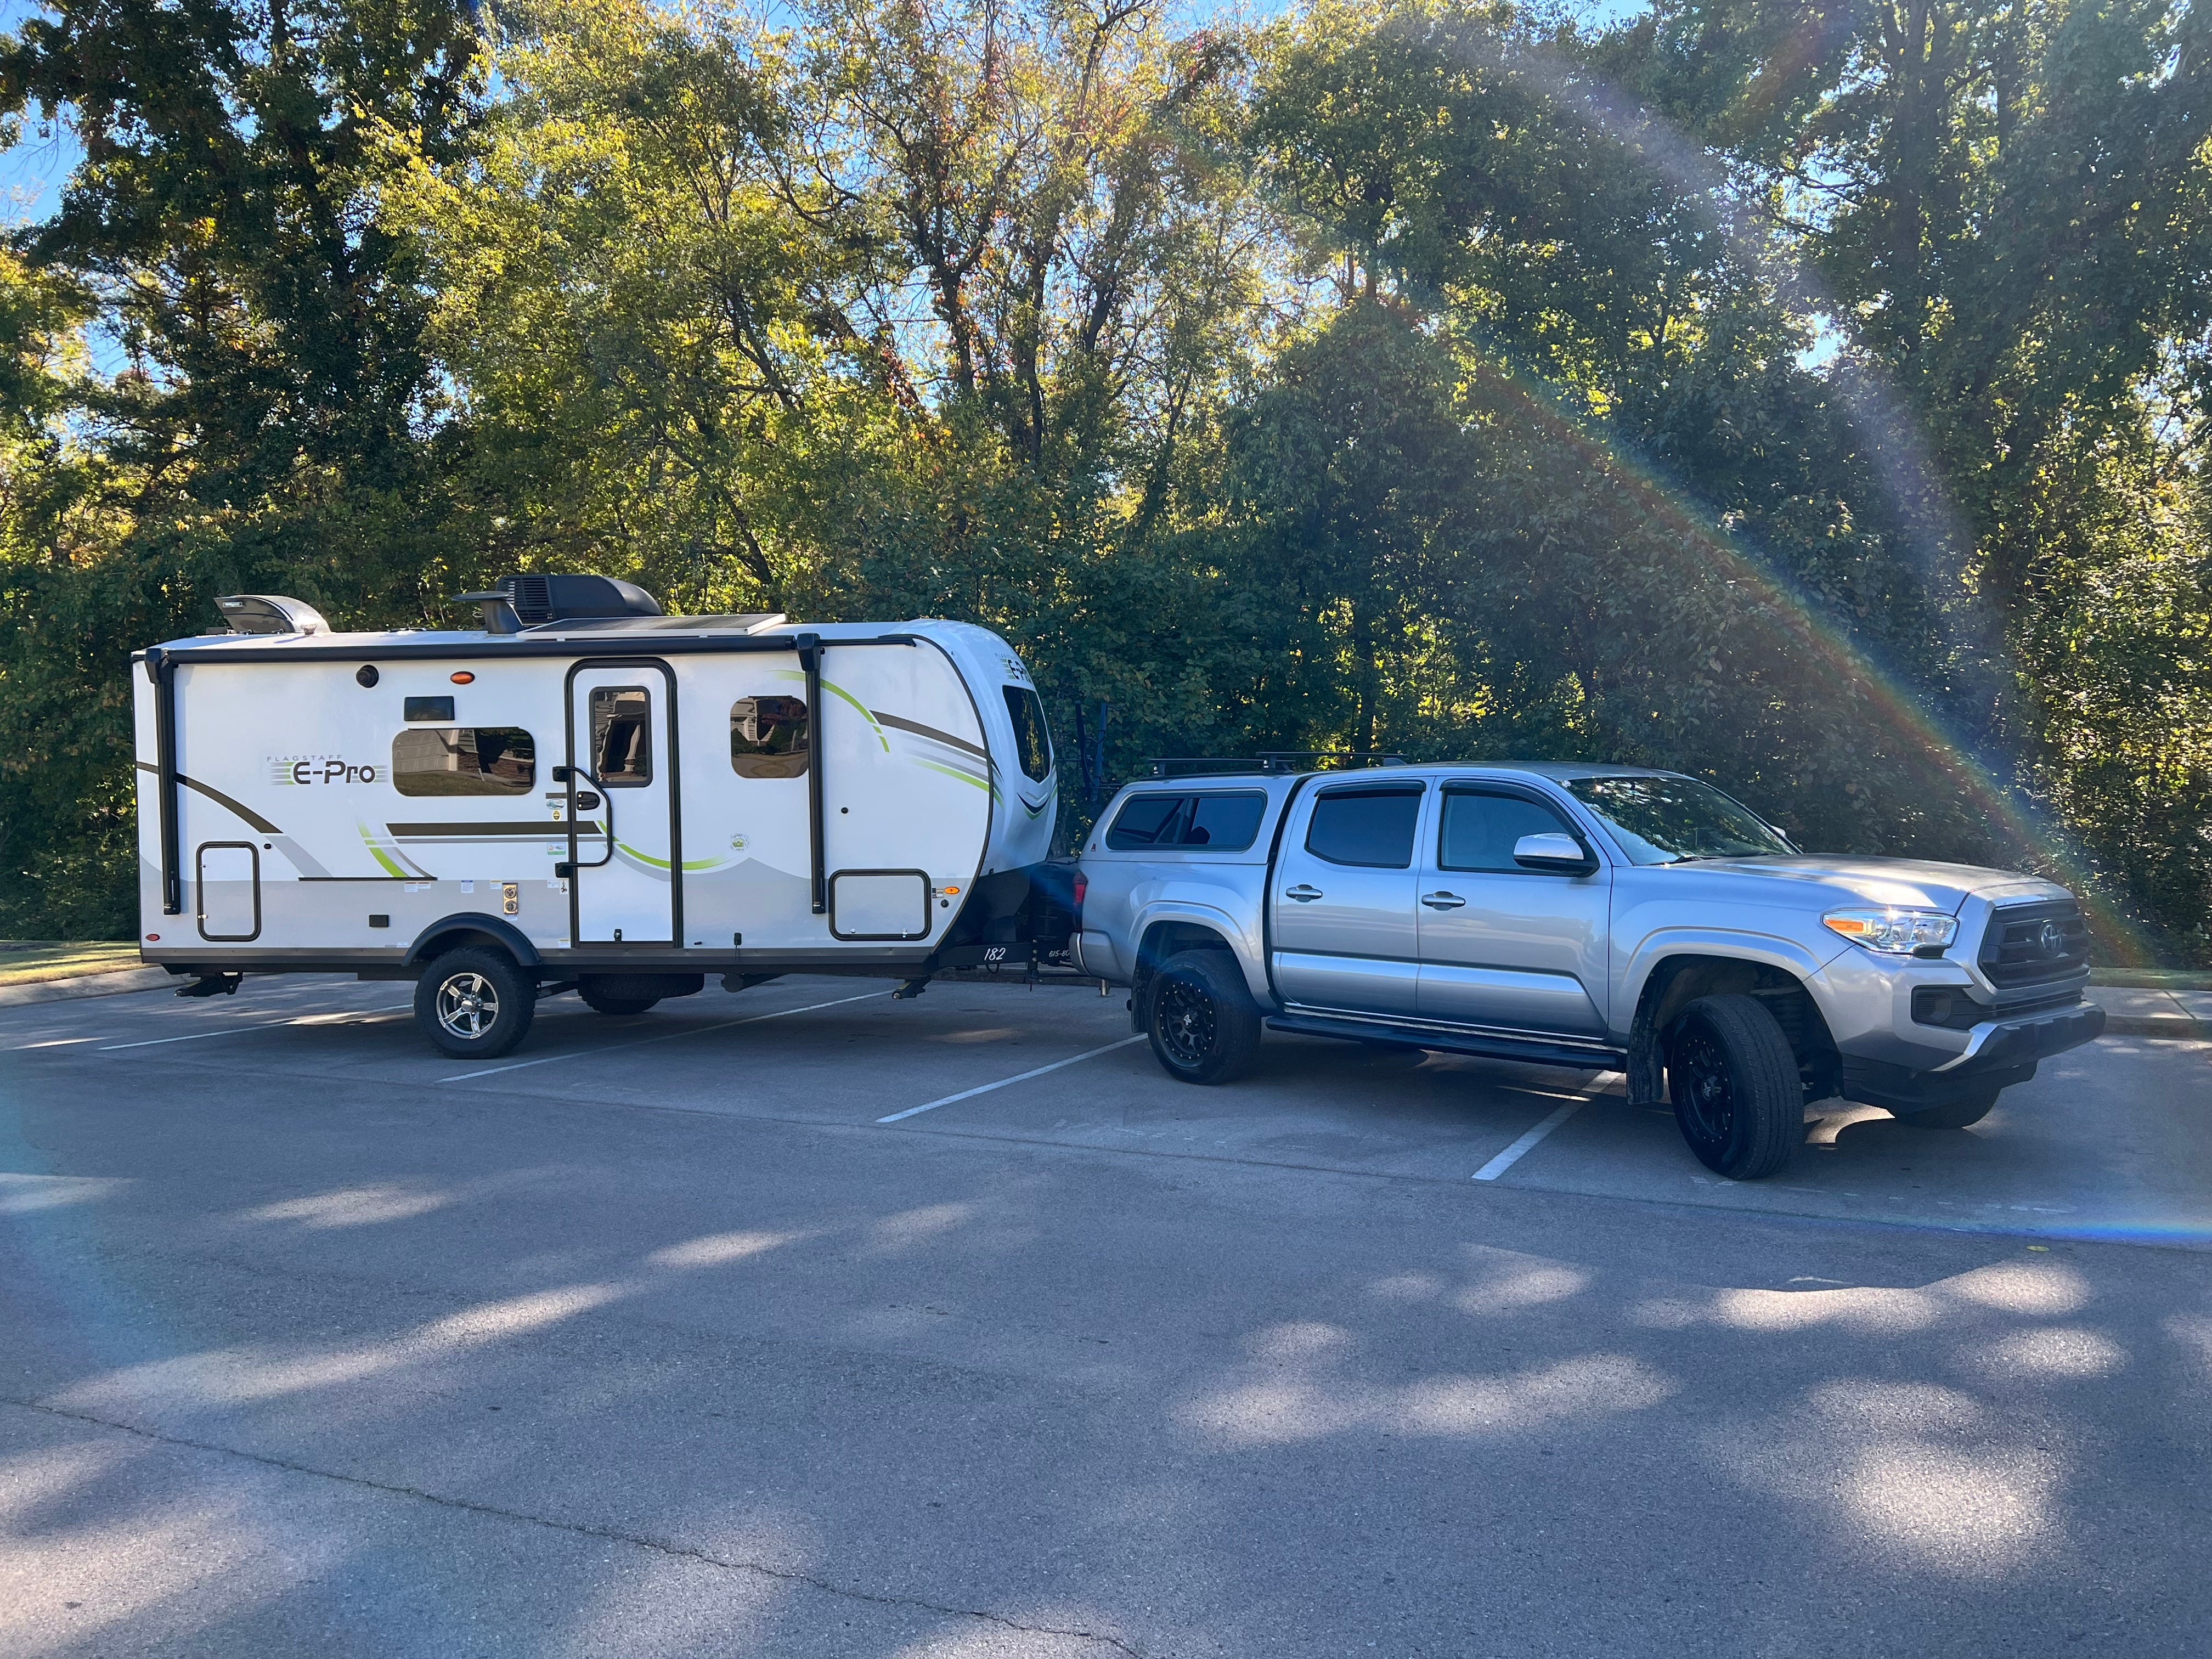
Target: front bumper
[(2002, 1052)]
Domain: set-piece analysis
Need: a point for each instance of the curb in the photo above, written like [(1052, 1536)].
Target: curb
[(113, 983)]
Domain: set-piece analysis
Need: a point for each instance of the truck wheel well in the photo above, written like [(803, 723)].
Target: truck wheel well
[(1678, 981), (1163, 939)]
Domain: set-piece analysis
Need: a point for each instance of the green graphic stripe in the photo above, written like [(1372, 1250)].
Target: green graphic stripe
[(953, 771), (376, 851)]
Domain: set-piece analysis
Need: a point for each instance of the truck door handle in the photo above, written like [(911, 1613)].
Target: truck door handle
[(1302, 894), (1443, 901)]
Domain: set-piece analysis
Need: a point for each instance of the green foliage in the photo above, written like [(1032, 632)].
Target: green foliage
[(1806, 398)]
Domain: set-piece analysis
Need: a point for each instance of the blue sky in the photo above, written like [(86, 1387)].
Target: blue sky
[(33, 170)]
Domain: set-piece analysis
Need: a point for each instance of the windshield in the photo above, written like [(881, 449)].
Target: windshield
[(1665, 820)]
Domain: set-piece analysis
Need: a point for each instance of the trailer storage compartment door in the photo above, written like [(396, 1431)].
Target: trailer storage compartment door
[(879, 904), (228, 883)]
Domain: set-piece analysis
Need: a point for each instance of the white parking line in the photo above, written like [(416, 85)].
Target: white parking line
[(366, 1017), (665, 1037), (969, 1094), (1513, 1154)]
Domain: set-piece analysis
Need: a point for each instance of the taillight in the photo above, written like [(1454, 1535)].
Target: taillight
[(1082, 886)]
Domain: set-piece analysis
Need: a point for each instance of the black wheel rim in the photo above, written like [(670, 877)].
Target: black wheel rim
[(1182, 1015), (1702, 1086)]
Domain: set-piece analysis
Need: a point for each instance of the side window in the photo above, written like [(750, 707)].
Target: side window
[(622, 736), (1145, 821), (1032, 742), (463, 760), (1227, 824), (768, 737), (1371, 827), (1479, 830)]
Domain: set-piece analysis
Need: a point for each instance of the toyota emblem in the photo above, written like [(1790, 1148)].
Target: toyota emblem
[(2050, 940)]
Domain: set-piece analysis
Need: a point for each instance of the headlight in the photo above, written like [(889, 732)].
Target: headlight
[(1894, 932)]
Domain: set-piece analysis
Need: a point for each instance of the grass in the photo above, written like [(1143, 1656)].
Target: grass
[(2153, 979), (27, 962)]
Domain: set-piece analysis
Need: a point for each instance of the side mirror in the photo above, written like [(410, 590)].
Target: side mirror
[(1554, 855)]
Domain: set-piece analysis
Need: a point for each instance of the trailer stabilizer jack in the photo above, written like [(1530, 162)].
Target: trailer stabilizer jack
[(212, 985)]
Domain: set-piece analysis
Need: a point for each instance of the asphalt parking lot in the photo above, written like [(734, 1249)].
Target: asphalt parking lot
[(656, 1337)]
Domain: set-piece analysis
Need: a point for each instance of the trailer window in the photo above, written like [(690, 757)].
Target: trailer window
[(463, 760), (1371, 827), (768, 737), (1032, 742), (622, 736)]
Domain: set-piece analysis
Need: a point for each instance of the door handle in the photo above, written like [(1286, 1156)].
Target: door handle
[(1443, 901), (1302, 894)]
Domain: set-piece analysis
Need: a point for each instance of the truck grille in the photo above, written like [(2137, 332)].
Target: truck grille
[(2035, 944)]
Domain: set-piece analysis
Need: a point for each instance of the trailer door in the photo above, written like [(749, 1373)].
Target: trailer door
[(627, 865)]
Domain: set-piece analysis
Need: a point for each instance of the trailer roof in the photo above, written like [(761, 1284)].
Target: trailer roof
[(582, 637)]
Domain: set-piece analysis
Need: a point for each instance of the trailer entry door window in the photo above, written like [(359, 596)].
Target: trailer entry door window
[(768, 737), (1032, 744), (464, 760), (622, 736), (1371, 827)]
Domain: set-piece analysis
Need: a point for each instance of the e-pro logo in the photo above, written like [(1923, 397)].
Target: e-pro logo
[(318, 768)]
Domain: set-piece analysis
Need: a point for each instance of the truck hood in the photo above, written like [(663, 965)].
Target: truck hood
[(1913, 883)]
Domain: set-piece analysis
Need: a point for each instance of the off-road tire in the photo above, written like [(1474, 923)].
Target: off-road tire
[(1953, 1114), (1737, 1095), (600, 1003), (1203, 1024), (475, 1004)]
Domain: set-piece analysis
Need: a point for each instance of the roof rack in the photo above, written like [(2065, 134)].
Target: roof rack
[(1271, 760)]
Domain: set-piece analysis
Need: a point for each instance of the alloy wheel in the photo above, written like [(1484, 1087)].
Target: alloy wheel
[(1182, 1013), (468, 1005)]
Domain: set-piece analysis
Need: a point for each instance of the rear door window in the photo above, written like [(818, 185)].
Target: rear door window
[(1373, 827)]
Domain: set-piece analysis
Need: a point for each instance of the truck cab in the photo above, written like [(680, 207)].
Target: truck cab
[(1603, 918)]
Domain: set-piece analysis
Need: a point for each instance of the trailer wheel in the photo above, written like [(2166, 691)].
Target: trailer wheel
[(1203, 1023), (599, 1002), (474, 1003), (1736, 1087)]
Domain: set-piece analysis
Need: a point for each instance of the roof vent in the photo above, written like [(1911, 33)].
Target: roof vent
[(544, 599), (270, 613)]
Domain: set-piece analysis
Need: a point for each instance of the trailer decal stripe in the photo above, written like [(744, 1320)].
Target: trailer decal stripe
[(220, 799), (953, 771), (525, 829), (921, 731)]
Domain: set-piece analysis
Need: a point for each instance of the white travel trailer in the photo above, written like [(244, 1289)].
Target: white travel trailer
[(585, 794)]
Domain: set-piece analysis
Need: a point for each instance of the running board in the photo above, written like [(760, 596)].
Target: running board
[(1529, 1050)]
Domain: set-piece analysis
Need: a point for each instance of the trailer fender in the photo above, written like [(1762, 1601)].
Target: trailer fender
[(447, 933)]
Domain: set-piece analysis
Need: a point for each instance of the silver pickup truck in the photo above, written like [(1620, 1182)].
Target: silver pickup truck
[(1603, 918)]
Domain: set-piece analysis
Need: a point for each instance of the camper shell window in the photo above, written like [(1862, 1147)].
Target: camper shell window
[(622, 736), (1032, 742), (1220, 823), (768, 737), (464, 760)]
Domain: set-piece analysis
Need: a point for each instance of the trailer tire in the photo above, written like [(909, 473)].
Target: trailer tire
[(600, 1003), (474, 1003), (1203, 1024), (1735, 1083)]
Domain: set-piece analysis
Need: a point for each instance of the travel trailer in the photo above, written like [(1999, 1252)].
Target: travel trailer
[(585, 793)]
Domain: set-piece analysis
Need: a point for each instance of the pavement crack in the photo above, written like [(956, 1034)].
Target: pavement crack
[(584, 1530)]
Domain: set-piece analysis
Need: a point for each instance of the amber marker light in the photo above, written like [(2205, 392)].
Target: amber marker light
[(463, 677)]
